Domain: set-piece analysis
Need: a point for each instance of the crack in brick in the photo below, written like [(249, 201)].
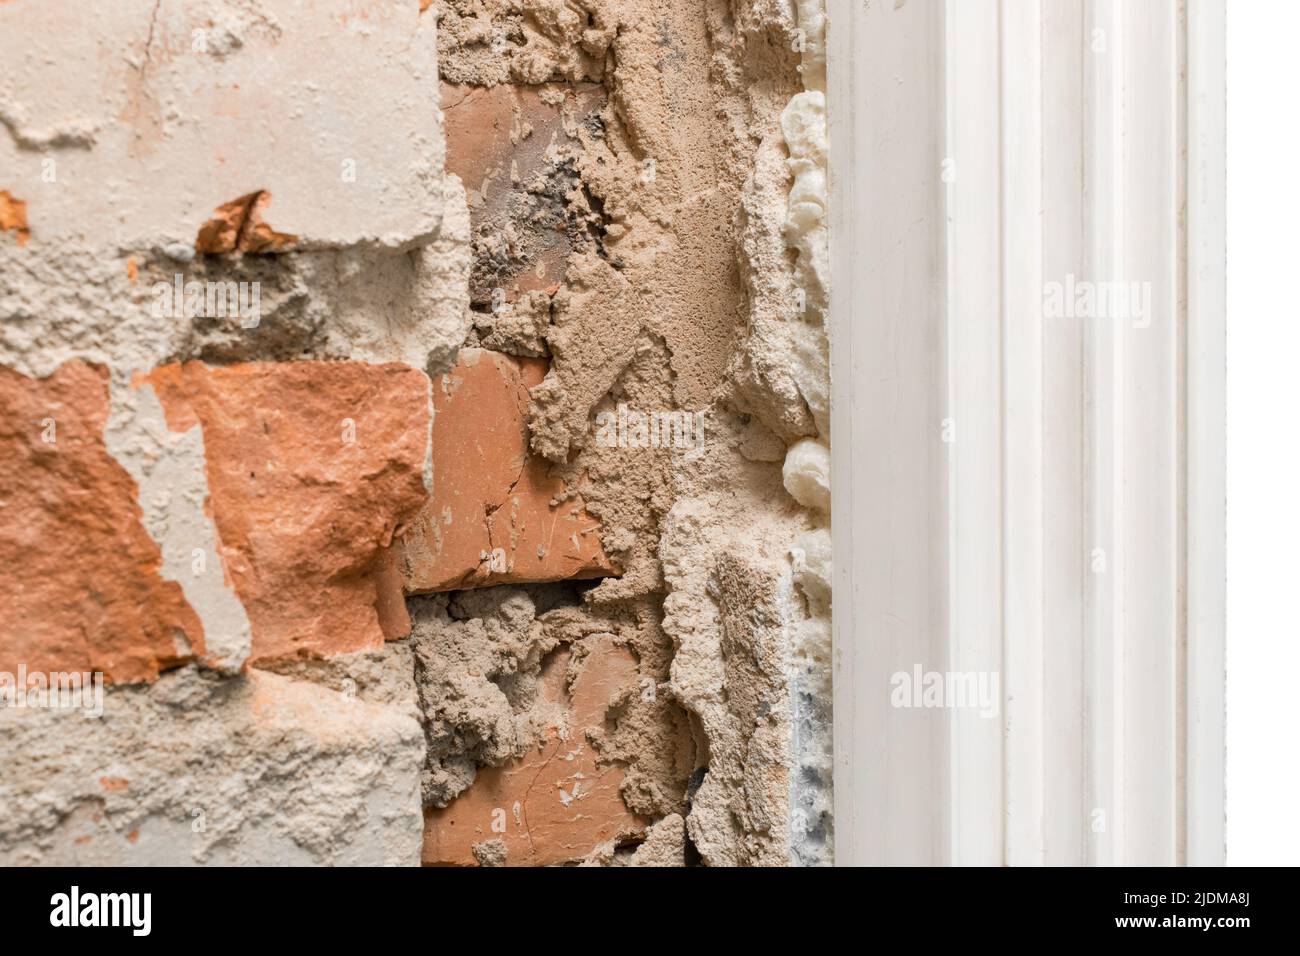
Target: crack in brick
[(483, 465)]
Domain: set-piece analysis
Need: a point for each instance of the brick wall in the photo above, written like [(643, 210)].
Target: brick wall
[(393, 400)]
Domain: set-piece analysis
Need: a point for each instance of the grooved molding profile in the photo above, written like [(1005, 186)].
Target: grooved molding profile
[(1027, 253)]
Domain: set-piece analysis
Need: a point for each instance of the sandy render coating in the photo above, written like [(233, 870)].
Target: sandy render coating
[(550, 804), (691, 299), (481, 663), (478, 663), (664, 846), (688, 299)]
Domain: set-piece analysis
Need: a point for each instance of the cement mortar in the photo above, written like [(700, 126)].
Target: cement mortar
[(694, 295), (479, 657), (691, 300), (198, 769), (189, 107)]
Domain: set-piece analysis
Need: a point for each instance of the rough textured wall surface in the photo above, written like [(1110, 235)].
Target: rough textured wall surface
[(629, 210), (559, 380), (807, 468), (497, 514), (230, 261)]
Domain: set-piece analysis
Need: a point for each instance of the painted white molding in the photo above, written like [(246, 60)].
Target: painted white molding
[(1022, 495)]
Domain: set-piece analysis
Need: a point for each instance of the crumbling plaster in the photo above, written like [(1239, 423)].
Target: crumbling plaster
[(704, 290), (693, 280), (122, 130)]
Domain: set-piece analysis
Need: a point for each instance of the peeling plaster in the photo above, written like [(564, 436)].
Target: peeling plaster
[(170, 470)]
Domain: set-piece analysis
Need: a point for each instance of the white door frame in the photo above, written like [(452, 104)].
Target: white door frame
[(1020, 496)]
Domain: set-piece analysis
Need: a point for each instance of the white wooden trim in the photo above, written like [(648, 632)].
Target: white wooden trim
[(1038, 498), (1023, 410), (973, 309), (1206, 431)]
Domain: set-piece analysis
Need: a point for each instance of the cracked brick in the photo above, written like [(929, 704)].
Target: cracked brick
[(497, 514), (240, 226), (312, 467)]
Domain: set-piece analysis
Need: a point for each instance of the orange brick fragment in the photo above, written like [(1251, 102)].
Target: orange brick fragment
[(13, 216), (83, 589), (556, 804), (311, 467), (497, 515), (240, 226), (390, 600)]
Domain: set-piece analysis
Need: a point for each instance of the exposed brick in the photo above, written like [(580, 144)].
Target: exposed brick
[(311, 468), (82, 585), (556, 804), (496, 515), (510, 145), (390, 599), (240, 226), (13, 216)]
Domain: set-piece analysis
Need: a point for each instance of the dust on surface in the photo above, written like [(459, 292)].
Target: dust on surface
[(679, 294)]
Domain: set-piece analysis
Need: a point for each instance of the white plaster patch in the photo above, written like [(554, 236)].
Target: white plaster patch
[(174, 109), (256, 770), (169, 471)]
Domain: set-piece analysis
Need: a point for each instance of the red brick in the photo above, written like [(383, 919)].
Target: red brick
[(303, 514), (390, 599), (83, 590), (13, 216), (490, 493), (556, 804), (500, 139), (240, 226)]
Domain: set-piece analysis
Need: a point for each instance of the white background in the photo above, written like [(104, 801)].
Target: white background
[(1263, 433)]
